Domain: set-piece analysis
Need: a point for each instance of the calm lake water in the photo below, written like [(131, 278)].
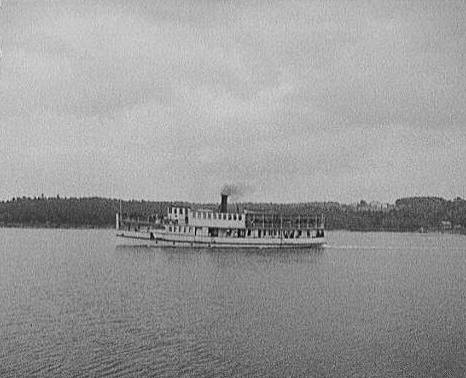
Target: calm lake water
[(72, 303)]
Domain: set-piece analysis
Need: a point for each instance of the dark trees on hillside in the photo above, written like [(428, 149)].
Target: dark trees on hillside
[(409, 214)]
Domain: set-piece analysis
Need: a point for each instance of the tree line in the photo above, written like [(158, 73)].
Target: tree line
[(407, 214)]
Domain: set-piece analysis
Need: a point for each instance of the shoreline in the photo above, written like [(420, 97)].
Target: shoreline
[(56, 227), (112, 227)]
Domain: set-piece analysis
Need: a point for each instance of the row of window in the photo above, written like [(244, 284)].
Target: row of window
[(207, 215), (181, 229), (224, 216), (242, 233), (176, 210), (287, 234)]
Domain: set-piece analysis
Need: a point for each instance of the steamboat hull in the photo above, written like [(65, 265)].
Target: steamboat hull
[(166, 240)]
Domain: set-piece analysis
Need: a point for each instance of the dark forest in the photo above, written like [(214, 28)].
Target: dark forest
[(407, 214)]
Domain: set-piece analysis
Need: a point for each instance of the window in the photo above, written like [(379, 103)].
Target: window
[(203, 215), (169, 229), (234, 216), (209, 216), (215, 215), (239, 217), (181, 211), (229, 216)]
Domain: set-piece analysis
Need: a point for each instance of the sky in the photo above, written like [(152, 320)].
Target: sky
[(294, 100)]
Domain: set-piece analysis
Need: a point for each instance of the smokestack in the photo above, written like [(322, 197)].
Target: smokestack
[(223, 204)]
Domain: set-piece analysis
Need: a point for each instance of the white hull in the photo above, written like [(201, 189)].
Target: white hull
[(165, 239)]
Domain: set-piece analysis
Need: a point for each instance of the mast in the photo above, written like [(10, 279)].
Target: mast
[(118, 218)]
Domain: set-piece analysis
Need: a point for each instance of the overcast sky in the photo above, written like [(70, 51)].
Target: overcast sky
[(298, 101)]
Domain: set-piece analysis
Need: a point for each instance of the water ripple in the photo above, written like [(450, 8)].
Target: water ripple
[(367, 305)]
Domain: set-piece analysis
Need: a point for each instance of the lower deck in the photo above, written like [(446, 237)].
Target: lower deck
[(163, 238)]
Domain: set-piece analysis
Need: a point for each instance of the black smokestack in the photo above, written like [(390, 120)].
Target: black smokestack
[(224, 203)]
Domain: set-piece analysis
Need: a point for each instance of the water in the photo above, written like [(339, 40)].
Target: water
[(72, 303)]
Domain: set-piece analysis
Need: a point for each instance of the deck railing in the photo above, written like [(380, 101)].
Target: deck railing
[(253, 221), (276, 221)]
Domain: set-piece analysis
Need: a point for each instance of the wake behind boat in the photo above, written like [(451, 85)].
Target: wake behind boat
[(187, 227)]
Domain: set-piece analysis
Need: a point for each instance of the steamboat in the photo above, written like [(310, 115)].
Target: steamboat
[(188, 227)]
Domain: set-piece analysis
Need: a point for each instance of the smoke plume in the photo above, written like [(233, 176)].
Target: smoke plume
[(235, 191)]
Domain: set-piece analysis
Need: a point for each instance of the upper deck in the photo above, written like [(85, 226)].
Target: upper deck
[(206, 218), (269, 221), (244, 220)]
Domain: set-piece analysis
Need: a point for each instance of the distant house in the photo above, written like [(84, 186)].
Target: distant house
[(445, 225), (372, 206), (375, 206)]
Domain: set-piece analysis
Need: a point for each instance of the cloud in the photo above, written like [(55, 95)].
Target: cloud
[(303, 100)]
